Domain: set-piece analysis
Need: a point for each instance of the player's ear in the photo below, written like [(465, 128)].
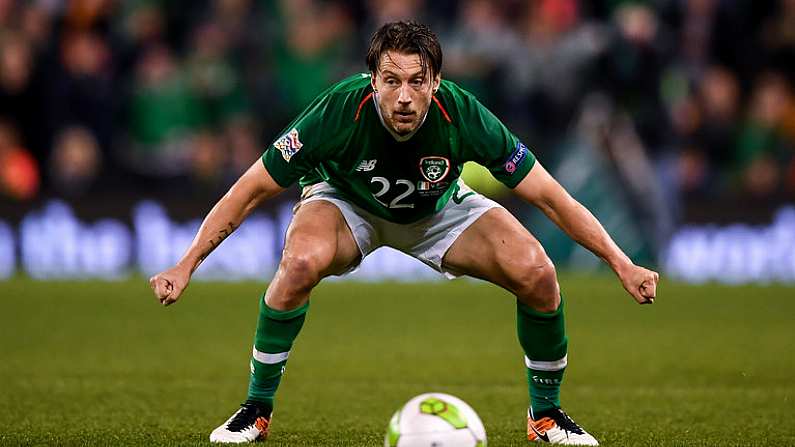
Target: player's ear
[(372, 82), (437, 80)]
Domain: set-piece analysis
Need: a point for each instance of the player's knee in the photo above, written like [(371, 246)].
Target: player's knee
[(301, 272), (537, 284)]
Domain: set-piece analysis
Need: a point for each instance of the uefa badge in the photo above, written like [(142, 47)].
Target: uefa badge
[(289, 144), (434, 168), (517, 157)]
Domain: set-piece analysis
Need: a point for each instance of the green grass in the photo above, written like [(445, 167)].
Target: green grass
[(89, 363)]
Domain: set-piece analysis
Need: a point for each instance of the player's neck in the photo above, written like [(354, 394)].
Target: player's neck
[(395, 135)]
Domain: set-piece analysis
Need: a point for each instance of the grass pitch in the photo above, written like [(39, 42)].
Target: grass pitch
[(89, 363)]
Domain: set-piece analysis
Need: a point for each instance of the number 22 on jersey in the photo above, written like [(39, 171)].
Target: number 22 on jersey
[(385, 187)]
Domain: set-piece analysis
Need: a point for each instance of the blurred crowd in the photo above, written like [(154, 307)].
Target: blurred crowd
[(177, 95)]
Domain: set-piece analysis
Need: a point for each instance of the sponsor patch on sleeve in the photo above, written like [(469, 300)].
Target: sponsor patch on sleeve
[(517, 157), (289, 144)]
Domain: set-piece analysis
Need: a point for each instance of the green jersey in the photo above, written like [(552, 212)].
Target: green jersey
[(341, 139)]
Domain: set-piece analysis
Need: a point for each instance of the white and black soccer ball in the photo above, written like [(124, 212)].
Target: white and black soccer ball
[(435, 420)]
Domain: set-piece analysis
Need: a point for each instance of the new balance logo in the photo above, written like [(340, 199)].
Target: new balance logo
[(366, 165)]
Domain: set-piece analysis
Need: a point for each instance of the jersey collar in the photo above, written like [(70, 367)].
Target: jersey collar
[(399, 138)]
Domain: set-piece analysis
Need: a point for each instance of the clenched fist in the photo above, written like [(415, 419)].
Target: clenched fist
[(640, 282), (169, 284)]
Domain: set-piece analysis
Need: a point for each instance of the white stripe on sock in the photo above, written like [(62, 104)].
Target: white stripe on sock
[(269, 359), (556, 365)]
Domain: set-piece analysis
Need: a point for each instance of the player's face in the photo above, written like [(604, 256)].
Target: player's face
[(404, 90)]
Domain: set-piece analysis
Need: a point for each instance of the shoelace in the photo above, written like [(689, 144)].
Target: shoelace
[(246, 417), (565, 422)]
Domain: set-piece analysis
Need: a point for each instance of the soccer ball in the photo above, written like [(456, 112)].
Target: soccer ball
[(435, 420)]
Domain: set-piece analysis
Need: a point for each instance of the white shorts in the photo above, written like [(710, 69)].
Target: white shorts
[(428, 239)]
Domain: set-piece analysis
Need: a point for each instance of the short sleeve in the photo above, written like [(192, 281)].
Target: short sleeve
[(313, 136), (299, 149), (489, 143)]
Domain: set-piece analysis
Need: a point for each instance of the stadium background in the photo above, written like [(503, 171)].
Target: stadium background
[(663, 117), (122, 122)]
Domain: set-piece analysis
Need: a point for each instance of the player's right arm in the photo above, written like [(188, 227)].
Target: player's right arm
[(251, 189), (303, 145)]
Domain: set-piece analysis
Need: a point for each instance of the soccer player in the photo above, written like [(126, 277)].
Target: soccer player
[(379, 157)]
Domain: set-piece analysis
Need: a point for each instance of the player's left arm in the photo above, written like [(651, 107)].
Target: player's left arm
[(539, 188)]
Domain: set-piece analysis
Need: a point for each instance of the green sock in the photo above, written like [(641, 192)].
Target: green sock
[(543, 338), (276, 331)]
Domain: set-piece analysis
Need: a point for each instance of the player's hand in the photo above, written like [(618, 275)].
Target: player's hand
[(168, 285), (641, 283)]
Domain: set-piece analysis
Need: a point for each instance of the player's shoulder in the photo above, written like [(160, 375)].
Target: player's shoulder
[(451, 90), (344, 97), (356, 83), (460, 103)]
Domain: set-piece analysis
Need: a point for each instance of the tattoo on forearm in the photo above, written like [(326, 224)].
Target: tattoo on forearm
[(222, 234)]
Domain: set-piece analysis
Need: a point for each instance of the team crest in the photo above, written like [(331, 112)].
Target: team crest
[(434, 168), (289, 144)]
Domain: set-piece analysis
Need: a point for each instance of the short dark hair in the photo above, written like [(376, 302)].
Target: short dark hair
[(406, 37)]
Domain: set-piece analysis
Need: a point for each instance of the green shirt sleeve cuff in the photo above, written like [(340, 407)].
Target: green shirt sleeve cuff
[(282, 180), (512, 180)]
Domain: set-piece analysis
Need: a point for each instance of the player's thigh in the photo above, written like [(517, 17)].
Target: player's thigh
[(319, 236), (498, 249)]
